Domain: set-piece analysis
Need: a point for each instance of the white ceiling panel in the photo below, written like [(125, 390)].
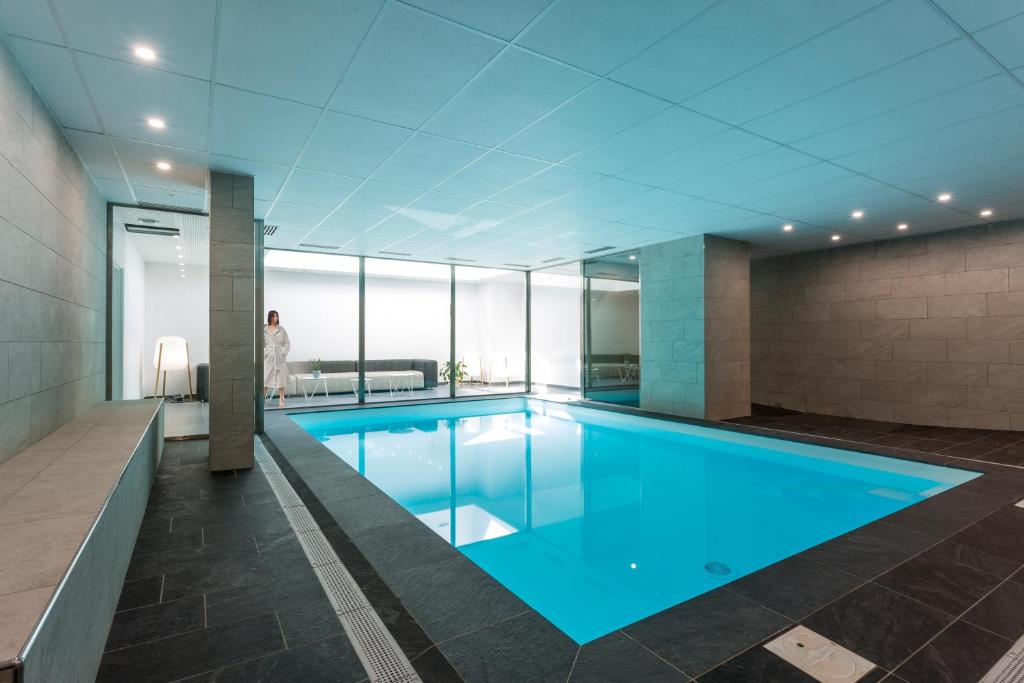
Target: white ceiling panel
[(866, 43), (755, 32), (933, 72), (671, 129), (188, 168), (180, 32), (320, 190), (267, 178), (378, 199), (508, 95), (425, 160), (491, 174), (599, 35), (312, 43), (501, 19), (29, 20), (127, 94), (1005, 41), (718, 150), (598, 112), (257, 127), (53, 74), (984, 97), (350, 145), (368, 123), (410, 64)]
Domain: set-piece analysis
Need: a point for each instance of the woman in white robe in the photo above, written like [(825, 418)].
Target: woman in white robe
[(276, 346)]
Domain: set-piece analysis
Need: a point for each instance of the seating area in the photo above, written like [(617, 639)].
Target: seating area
[(70, 509), (341, 376)]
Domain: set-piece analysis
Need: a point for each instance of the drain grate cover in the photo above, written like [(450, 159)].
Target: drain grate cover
[(819, 657), (718, 568), (1009, 669)]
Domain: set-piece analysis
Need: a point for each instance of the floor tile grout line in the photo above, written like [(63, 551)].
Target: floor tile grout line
[(206, 623), (572, 666), (163, 578), (623, 632), (280, 627), (956, 619)]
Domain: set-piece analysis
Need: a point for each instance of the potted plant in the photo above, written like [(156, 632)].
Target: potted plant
[(458, 371), (316, 365)]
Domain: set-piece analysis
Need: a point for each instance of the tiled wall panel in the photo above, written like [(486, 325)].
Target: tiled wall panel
[(923, 329), (52, 271)]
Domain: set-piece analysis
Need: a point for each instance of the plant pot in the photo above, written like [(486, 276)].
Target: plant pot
[(316, 374)]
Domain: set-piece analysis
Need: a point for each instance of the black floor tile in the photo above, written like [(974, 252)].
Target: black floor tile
[(364, 513), (409, 635), (939, 582), (756, 665), (870, 551), (397, 547), (140, 592), (998, 567), (225, 532), (252, 600), (472, 599), (229, 573), (882, 626), (959, 654), (700, 634), (524, 648), (326, 660), (795, 587), (1002, 611), (945, 513), (308, 621), (193, 652), (187, 540), (143, 624), (147, 564), (616, 658), (993, 538), (432, 667)]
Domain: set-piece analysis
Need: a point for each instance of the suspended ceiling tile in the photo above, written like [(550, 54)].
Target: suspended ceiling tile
[(31, 20), (374, 198), (547, 185), (126, 95), (257, 127), (768, 164), (170, 196), (188, 168), (180, 32), (973, 15), (350, 145), (491, 174), (718, 150), (508, 95), (425, 160), (1004, 41), (501, 19), (410, 64), (53, 74), (320, 190)]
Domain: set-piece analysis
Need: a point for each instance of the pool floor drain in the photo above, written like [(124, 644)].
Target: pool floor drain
[(718, 568)]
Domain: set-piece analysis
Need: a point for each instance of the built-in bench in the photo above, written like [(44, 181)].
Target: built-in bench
[(70, 509)]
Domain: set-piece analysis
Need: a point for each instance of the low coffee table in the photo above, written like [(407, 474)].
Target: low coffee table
[(318, 383), (401, 381), (355, 385)]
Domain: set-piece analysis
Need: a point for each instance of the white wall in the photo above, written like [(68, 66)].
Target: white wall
[(174, 306), (133, 306), (555, 335)]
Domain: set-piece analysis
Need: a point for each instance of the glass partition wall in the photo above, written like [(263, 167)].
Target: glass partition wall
[(556, 296), (490, 331), (611, 353)]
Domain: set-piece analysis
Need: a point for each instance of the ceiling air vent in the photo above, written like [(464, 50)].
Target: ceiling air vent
[(460, 260), (599, 249), (149, 221), (170, 207), (552, 260), (269, 230), (152, 230), (516, 265), (309, 245), (395, 253)]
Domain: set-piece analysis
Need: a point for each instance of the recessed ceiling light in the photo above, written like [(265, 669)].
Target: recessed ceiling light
[(177, 237), (858, 214), (155, 122), (945, 197), (985, 213), (163, 166), (145, 52), (787, 227), (632, 257), (902, 226), (835, 238)]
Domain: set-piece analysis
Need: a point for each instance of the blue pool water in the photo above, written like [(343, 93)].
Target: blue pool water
[(598, 519)]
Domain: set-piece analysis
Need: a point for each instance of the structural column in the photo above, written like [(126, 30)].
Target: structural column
[(695, 327), (232, 338)]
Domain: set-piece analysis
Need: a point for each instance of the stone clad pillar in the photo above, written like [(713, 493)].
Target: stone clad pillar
[(232, 342), (695, 327)]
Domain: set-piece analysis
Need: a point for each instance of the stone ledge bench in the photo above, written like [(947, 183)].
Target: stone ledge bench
[(70, 509)]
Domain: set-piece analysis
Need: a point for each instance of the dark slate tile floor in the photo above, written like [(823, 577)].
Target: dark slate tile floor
[(219, 589)]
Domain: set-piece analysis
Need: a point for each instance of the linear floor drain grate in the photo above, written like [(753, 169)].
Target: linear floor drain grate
[(1009, 669), (380, 655)]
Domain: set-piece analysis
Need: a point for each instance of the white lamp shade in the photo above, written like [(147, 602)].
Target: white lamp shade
[(174, 356)]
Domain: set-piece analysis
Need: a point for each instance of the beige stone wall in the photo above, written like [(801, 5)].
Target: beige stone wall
[(924, 329), (726, 328)]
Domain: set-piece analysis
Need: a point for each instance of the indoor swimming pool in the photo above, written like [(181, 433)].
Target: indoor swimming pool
[(598, 519)]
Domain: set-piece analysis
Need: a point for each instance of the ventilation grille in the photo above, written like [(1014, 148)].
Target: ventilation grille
[(149, 221), (170, 207), (269, 230), (310, 245), (599, 249), (395, 253), (516, 265), (461, 260), (552, 260), (157, 230), (380, 655)]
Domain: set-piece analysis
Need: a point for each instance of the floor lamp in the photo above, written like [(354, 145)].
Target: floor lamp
[(171, 353)]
